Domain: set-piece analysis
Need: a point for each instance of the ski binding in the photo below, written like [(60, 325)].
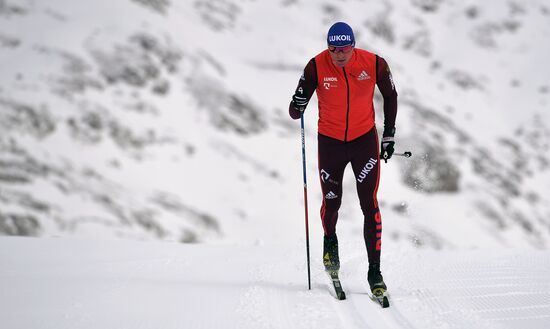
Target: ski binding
[(379, 295), (340, 294)]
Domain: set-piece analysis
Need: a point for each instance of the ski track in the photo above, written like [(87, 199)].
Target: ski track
[(461, 291), (67, 284), (369, 310), (347, 310), (509, 290), (317, 308), (351, 315)]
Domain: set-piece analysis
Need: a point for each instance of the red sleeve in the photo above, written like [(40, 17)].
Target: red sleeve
[(308, 84), (386, 86)]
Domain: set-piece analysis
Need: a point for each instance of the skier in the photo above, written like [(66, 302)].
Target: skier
[(344, 78)]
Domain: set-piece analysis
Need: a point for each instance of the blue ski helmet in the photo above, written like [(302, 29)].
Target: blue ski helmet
[(340, 34)]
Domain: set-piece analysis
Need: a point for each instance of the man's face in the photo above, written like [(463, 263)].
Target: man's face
[(340, 55)]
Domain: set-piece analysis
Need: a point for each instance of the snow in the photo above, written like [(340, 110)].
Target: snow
[(79, 283), (462, 259)]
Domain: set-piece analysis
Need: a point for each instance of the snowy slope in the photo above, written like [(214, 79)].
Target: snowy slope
[(167, 120), (67, 283)]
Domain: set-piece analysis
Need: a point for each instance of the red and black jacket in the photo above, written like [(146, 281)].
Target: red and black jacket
[(345, 95)]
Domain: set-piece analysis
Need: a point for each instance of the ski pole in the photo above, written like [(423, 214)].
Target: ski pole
[(305, 198), (406, 154)]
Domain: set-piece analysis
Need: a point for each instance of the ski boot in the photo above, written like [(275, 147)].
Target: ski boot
[(377, 285), (332, 264), (330, 253)]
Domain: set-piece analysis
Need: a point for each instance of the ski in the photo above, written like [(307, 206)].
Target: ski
[(380, 296), (340, 294)]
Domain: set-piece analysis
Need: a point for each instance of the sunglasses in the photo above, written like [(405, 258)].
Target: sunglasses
[(345, 49)]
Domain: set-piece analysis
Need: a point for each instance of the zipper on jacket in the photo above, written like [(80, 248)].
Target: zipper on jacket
[(347, 109)]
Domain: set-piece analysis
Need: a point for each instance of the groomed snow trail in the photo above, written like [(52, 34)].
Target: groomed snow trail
[(66, 283), (473, 289)]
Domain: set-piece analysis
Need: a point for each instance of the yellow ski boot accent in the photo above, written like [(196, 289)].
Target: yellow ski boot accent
[(378, 291)]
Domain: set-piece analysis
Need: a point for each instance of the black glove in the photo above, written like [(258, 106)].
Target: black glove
[(388, 144), (299, 102)]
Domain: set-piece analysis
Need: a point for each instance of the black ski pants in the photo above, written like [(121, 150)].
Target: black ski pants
[(363, 154)]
